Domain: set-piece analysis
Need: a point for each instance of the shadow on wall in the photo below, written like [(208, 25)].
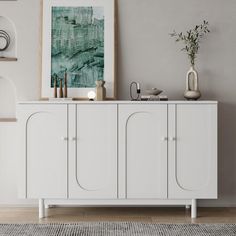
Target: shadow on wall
[(227, 150), (7, 100)]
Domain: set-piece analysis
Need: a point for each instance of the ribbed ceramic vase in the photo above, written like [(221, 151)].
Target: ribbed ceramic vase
[(192, 88)]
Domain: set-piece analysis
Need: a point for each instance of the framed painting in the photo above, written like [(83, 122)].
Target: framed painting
[(79, 40)]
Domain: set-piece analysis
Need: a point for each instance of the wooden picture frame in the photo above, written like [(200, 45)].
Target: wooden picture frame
[(79, 38)]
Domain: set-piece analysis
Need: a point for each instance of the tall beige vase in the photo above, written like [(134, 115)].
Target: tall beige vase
[(100, 90), (192, 90)]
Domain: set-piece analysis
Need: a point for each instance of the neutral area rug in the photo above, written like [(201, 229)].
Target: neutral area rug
[(120, 229)]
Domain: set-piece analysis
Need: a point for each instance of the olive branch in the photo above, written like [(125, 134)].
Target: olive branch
[(192, 40)]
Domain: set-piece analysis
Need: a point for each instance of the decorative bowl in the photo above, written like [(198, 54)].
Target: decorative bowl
[(153, 91)]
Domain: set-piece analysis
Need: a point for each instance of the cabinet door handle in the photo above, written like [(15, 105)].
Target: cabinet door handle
[(64, 138), (164, 139), (173, 139), (73, 139)]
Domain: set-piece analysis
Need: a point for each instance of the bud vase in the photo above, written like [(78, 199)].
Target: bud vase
[(192, 90), (100, 90)]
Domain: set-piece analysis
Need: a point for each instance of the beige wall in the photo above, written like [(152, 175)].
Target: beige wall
[(148, 55)]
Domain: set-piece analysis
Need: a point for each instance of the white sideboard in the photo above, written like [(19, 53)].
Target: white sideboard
[(118, 153)]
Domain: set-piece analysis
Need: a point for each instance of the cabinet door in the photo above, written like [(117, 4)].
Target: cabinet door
[(93, 163), (143, 151), (193, 151), (44, 157)]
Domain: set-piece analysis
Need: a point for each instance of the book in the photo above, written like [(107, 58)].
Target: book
[(154, 98)]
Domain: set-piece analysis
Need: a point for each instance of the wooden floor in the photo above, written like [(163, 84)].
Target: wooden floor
[(151, 214)]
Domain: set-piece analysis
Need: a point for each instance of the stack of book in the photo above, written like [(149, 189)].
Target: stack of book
[(154, 98)]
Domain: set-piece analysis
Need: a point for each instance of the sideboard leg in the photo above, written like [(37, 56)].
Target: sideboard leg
[(194, 209), (41, 209)]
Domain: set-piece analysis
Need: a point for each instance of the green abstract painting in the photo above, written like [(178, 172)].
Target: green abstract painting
[(77, 45)]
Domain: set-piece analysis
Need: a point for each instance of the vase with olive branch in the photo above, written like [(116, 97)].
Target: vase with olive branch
[(191, 40)]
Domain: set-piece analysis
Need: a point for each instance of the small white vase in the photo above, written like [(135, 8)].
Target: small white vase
[(192, 90)]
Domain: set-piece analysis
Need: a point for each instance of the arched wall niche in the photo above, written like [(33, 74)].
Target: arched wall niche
[(10, 54)]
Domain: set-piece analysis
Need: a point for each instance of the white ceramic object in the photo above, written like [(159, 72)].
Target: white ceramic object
[(192, 92)]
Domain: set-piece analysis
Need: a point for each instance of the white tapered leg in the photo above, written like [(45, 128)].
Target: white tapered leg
[(194, 209), (41, 208)]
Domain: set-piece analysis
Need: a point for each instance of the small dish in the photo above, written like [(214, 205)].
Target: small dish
[(153, 91)]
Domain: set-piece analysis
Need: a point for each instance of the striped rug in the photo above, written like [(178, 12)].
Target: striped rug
[(119, 229)]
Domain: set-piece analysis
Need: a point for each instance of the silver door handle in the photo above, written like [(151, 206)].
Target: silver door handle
[(64, 138), (164, 139), (73, 139)]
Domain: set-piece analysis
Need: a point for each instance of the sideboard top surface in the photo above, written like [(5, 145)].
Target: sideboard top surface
[(116, 102)]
